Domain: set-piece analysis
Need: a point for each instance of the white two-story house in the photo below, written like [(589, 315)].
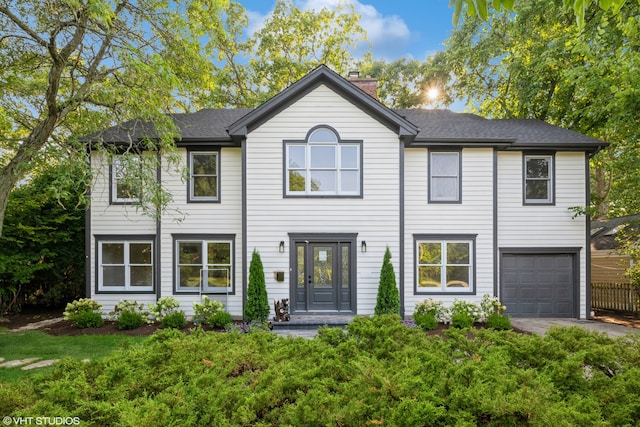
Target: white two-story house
[(322, 178)]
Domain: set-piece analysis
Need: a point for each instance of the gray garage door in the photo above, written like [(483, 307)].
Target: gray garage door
[(538, 285)]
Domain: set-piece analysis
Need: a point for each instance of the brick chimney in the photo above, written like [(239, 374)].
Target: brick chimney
[(368, 84)]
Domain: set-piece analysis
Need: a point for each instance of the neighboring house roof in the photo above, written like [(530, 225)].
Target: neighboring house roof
[(606, 234), (416, 127)]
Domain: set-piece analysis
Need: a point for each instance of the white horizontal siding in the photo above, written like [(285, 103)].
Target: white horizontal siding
[(521, 226), (224, 217), (375, 217), (473, 216)]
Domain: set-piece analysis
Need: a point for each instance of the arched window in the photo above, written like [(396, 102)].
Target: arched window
[(323, 165)]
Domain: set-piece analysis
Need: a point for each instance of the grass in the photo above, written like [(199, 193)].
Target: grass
[(43, 346)]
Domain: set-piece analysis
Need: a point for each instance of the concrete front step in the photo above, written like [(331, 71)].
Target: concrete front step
[(314, 321)]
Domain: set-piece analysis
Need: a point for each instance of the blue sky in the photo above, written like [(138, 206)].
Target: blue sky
[(397, 28)]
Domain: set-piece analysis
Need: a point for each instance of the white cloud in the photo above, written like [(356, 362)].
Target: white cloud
[(389, 35)]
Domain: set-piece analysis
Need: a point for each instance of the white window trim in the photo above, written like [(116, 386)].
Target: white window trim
[(452, 199), (338, 169), (127, 271), (192, 196), (443, 289), (204, 266), (549, 200)]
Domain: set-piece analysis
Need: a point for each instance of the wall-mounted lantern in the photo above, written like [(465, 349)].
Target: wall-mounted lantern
[(281, 247), (363, 246)]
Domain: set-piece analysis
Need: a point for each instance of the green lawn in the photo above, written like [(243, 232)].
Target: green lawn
[(43, 346)]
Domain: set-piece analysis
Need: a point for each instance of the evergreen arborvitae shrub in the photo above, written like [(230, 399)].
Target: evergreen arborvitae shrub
[(257, 307), (388, 301)]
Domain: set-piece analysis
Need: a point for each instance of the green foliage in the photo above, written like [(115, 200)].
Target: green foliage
[(257, 305), (378, 372), (206, 310), (461, 320), (42, 247), (220, 320), (82, 305), (470, 310), (388, 300), (426, 320), (534, 62), (176, 320), (491, 305), (87, 319), (499, 322), (165, 306), (130, 320)]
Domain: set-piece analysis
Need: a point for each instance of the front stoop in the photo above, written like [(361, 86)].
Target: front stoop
[(314, 321)]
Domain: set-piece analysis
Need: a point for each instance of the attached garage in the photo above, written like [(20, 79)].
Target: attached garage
[(539, 284)]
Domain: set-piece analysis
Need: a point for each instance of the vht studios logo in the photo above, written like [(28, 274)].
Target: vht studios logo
[(40, 421)]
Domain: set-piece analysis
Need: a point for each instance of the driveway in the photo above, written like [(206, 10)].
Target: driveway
[(540, 325)]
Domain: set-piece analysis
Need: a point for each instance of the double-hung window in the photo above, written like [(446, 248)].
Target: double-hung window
[(445, 265), (538, 179), (125, 265), (203, 176), (204, 265), (444, 176), (123, 179), (323, 165)]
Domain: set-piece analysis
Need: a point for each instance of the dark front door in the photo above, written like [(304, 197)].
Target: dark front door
[(323, 276)]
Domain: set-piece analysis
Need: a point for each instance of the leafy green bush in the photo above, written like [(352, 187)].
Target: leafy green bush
[(378, 372), (220, 319), (471, 309), (165, 306), (491, 305), (87, 319), (426, 321), (130, 320), (205, 310), (461, 320), (257, 305), (388, 299), (499, 322), (176, 320), (129, 314), (84, 313)]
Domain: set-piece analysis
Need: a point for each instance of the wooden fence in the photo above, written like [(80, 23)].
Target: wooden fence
[(622, 297)]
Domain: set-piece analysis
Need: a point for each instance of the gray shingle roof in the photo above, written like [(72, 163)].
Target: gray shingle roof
[(415, 127)]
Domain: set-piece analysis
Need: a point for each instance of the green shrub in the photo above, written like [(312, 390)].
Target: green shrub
[(176, 320), (491, 305), (163, 307), (426, 321), (257, 305), (205, 310), (219, 320), (87, 319), (130, 320), (388, 299), (499, 322), (461, 320), (84, 313), (471, 309)]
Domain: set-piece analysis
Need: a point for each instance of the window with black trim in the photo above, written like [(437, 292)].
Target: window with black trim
[(204, 176), (444, 176), (124, 186), (445, 265), (204, 265), (323, 165), (125, 265)]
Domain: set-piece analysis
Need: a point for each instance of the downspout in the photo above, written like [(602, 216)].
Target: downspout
[(158, 243), (495, 223), (401, 242), (243, 249), (587, 177)]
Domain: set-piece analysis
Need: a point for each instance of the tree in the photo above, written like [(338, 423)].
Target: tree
[(257, 305), (388, 300), (406, 83), (291, 43), (535, 62), (42, 251), (483, 8), (71, 68)]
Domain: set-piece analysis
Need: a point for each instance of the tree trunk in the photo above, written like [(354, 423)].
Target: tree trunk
[(13, 172)]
